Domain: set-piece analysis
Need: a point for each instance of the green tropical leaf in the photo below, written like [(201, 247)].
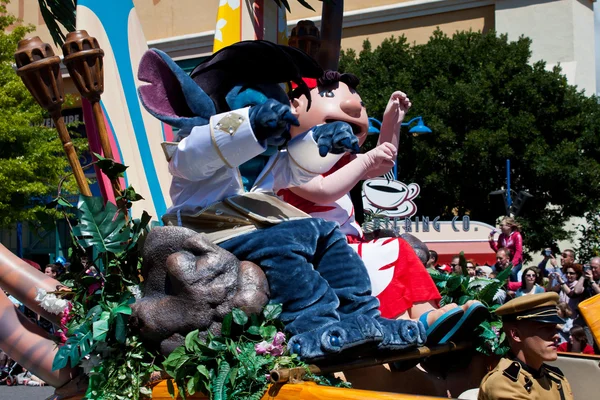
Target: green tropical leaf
[(171, 388), (272, 311), (239, 316), (305, 4), (454, 283), (100, 329), (219, 389), (121, 327), (101, 226), (191, 385), (226, 325), (191, 341), (503, 275), (110, 168), (267, 332), (55, 12), (61, 359), (123, 309)]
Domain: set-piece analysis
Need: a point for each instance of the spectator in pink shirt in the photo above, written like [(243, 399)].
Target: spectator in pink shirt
[(510, 238)]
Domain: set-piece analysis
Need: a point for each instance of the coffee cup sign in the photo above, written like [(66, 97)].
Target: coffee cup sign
[(391, 198)]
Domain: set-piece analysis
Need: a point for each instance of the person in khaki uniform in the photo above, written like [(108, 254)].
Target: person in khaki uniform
[(530, 325)]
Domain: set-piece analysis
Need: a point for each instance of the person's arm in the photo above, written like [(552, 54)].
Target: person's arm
[(518, 241), (576, 291), (211, 147), (579, 287), (326, 189), (494, 244), (555, 277), (542, 266), (394, 113), (589, 276)]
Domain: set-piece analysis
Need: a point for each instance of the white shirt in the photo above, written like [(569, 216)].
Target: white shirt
[(205, 164)]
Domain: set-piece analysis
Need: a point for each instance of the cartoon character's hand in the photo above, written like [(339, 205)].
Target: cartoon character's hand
[(380, 160), (270, 121), (335, 138), (397, 106)]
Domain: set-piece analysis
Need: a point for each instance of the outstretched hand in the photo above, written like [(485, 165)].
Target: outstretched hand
[(380, 160), (336, 138), (270, 121), (397, 106)]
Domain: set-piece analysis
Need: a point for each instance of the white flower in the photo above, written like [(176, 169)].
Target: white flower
[(40, 294), (50, 302), (135, 291), (233, 4), (90, 362), (220, 24)]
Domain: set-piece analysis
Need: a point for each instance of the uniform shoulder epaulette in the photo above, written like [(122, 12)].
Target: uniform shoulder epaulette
[(554, 370), (512, 371)]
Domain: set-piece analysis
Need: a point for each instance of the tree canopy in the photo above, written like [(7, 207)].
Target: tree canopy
[(486, 103), (31, 156)]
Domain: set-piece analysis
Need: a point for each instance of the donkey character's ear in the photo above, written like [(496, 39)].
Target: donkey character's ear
[(171, 95)]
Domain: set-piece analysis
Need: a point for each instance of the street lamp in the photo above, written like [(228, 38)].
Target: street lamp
[(419, 129)]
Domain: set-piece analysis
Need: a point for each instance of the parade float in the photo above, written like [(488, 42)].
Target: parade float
[(161, 311)]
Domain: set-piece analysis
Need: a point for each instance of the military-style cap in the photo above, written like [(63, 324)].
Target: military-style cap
[(535, 307)]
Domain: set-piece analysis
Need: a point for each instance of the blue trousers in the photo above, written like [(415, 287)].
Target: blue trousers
[(311, 270)]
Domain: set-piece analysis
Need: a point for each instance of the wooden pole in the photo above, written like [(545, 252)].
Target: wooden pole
[(83, 59), (332, 16), (39, 69)]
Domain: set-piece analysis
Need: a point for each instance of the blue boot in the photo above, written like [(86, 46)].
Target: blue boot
[(337, 337), (401, 334)]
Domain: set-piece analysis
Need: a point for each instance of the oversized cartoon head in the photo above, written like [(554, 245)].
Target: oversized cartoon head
[(243, 74), (334, 98)]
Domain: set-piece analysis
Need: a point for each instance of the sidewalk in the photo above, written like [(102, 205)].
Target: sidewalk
[(25, 392)]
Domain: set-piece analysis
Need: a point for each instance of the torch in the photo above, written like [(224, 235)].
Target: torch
[(83, 58), (39, 69)]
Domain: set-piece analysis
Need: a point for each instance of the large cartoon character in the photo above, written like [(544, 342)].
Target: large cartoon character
[(230, 110), (398, 277)]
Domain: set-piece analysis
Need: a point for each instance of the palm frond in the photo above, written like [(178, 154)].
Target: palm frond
[(57, 13)]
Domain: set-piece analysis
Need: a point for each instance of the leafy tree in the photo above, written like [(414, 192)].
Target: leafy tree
[(486, 103), (589, 244), (31, 157)]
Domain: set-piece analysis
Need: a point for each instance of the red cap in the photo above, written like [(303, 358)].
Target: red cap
[(310, 82), (445, 268)]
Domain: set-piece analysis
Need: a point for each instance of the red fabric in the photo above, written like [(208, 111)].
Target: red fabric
[(310, 82), (513, 242), (565, 348), (411, 283), (514, 286)]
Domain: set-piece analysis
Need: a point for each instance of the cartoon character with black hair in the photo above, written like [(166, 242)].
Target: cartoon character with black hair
[(232, 112), (398, 278)]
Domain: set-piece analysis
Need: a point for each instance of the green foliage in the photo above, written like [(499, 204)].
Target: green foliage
[(460, 288), (101, 226), (57, 12), (231, 366), (31, 157), (102, 291), (589, 244), (485, 103)]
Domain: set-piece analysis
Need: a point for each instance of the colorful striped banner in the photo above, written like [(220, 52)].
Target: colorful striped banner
[(134, 134)]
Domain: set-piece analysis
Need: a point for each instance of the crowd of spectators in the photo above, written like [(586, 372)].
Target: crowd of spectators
[(573, 281)]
